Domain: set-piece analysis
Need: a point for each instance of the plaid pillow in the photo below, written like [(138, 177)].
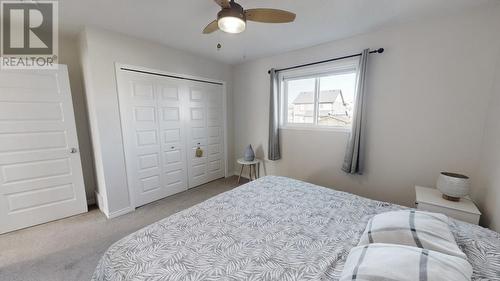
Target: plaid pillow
[(412, 228), (391, 262)]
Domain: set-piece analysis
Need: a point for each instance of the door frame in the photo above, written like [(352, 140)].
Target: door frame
[(118, 69)]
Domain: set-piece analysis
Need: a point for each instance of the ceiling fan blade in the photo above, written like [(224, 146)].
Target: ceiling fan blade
[(223, 3), (211, 27), (269, 15)]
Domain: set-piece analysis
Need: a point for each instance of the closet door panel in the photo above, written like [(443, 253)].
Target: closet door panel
[(141, 136), (173, 148), (144, 125), (197, 127), (215, 133), (206, 132)]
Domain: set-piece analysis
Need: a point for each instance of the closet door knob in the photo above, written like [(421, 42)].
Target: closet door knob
[(172, 147), (73, 150)]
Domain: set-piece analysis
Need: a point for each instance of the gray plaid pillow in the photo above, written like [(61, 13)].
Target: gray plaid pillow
[(390, 262), (412, 228)]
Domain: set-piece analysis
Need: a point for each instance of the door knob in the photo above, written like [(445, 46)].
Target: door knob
[(73, 150)]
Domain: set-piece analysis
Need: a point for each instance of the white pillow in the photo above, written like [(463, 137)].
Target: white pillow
[(412, 228), (392, 262)]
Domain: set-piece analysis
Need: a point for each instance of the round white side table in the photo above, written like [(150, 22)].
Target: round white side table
[(255, 164)]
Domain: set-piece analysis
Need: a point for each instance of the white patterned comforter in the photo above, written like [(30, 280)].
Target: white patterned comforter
[(274, 228)]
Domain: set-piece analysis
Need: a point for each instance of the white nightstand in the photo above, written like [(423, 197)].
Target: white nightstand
[(430, 199), (255, 164)]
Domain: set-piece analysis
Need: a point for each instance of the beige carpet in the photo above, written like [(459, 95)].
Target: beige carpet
[(69, 249)]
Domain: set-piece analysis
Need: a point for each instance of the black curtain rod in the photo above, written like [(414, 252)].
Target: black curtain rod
[(378, 51)]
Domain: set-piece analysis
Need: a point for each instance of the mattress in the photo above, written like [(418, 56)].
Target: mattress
[(274, 228)]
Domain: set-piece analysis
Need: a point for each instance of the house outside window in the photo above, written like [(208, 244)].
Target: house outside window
[(320, 97)]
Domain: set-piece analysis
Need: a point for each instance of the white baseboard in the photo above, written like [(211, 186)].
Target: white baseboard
[(120, 212), (106, 212)]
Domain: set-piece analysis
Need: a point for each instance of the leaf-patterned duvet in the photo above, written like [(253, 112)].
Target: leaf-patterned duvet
[(274, 228)]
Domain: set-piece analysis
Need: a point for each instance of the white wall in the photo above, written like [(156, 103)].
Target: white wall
[(68, 54), (99, 51), (487, 192), (427, 100)]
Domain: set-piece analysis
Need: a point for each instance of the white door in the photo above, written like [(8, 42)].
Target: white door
[(205, 131), (153, 136), (172, 135), (40, 170), (215, 133)]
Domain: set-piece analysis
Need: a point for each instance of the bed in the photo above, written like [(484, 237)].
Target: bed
[(274, 228)]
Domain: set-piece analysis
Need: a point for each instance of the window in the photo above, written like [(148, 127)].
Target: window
[(321, 97)]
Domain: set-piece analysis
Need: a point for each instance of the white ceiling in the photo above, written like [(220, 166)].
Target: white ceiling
[(178, 23)]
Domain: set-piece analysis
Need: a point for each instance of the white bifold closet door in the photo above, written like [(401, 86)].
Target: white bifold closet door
[(164, 121), (205, 130)]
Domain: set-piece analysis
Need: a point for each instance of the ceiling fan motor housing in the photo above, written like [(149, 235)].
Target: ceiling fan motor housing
[(235, 11), (232, 18)]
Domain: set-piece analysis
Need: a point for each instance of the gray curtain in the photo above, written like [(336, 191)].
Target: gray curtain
[(354, 156), (274, 106)]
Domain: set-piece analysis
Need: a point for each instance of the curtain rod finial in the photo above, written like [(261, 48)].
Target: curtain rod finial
[(380, 50)]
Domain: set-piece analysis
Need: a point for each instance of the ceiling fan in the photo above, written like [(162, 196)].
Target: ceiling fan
[(233, 18)]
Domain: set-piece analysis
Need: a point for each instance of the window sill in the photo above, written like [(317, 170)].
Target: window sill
[(321, 129)]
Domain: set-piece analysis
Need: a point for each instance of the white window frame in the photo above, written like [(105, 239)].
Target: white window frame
[(326, 69)]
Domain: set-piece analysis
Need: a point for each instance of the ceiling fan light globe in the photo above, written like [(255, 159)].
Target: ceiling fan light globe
[(231, 24)]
